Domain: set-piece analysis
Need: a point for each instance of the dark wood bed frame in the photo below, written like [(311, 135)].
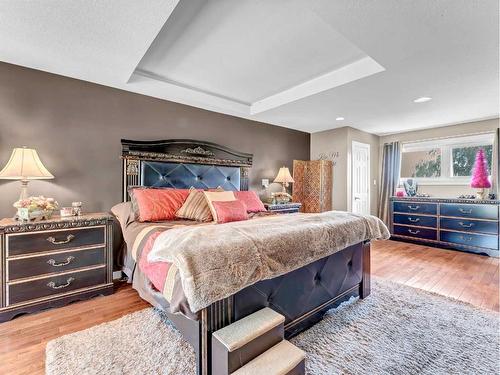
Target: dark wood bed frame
[(136, 154)]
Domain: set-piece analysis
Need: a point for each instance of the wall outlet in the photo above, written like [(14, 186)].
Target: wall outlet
[(265, 183)]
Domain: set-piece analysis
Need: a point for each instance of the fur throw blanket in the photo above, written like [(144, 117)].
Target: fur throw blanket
[(216, 261)]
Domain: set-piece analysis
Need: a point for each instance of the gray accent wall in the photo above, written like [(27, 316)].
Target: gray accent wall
[(76, 128)]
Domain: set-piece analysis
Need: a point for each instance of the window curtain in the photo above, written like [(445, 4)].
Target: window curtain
[(391, 165), (495, 164)]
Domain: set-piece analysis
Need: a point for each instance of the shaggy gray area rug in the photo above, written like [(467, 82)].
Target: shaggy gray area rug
[(397, 330)]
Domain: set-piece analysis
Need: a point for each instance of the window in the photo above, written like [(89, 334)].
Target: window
[(421, 163), (463, 159), (444, 161)]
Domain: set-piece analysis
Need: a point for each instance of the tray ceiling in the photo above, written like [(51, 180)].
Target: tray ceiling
[(298, 63)]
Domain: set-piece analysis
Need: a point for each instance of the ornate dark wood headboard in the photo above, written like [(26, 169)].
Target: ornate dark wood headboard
[(182, 163)]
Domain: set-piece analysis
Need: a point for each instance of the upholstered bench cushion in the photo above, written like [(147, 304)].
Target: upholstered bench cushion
[(243, 331), (282, 359)]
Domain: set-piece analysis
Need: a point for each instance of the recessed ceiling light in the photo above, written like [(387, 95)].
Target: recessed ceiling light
[(339, 119), (423, 99)]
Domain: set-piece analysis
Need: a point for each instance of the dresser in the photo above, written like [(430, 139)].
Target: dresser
[(461, 224), (53, 262)]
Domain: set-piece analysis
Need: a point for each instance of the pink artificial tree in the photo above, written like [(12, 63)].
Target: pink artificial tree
[(480, 174)]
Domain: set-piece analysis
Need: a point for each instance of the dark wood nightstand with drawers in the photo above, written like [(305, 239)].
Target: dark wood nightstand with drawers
[(53, 262), (283, 208)]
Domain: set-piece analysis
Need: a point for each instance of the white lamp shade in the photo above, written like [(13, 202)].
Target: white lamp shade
[(283, 176), (24, 164)]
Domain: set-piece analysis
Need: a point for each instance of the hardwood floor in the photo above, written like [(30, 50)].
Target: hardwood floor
[(23, 340), (470, 278)]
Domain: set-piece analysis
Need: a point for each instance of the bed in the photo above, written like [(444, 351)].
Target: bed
[(302, 295)]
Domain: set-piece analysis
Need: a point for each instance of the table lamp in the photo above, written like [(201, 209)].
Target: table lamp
[(25, 165), (284, 178)]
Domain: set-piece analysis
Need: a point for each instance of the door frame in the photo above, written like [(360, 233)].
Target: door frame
[(350, 174)]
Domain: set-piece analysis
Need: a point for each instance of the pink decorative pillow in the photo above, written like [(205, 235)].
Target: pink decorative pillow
[(228, 211), (157, 204), (251, 200)]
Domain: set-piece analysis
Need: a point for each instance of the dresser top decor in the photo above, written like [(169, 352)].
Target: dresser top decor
[(10, 225), (446, 200)]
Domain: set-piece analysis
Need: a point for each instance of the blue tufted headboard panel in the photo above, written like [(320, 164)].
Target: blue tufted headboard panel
[(183, 176), (182, 163)]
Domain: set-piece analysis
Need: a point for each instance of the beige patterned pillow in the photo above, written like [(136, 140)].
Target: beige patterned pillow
[(195, 207)]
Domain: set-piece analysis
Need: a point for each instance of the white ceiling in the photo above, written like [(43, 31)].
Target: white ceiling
[(295, 63)]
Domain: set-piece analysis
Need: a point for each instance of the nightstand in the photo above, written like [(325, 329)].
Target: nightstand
[(283, 208), (51, 263)]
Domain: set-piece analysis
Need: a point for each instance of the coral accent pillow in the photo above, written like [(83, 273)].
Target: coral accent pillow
[(251, 200), (230, 211), (195, 207), (217, 196), (157, 204)]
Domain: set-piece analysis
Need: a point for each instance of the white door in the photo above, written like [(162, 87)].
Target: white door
[(360, 173)]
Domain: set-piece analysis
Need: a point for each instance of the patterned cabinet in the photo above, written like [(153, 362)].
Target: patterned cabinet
[(53, 262), (468, 225), (313, 184)]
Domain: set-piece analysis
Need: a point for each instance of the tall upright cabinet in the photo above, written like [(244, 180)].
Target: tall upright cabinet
[(313, 181)]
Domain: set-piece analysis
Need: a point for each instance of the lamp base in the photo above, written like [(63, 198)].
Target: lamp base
[(24, 189)]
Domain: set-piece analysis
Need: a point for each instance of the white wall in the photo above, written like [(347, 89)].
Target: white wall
[(336, 145)]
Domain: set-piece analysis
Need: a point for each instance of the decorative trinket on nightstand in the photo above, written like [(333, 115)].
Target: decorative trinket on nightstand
[(35, 208), (66, 211), (281, 197), (77, 208)]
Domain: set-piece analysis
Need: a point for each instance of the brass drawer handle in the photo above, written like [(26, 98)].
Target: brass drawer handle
[(413, 231), (414, 220), (466, 225), (68, 260), (53, 241), (413, 207), (61, 286), (465, 211)]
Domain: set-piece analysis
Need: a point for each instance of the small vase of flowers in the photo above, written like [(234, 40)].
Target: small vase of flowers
[(35, 208)]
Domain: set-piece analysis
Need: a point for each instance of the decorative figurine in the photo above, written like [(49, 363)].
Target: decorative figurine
[(480, 175), (411, 187)]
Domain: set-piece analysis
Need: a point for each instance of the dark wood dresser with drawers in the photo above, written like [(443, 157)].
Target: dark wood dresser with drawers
[(53, 262), (461, 224)]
